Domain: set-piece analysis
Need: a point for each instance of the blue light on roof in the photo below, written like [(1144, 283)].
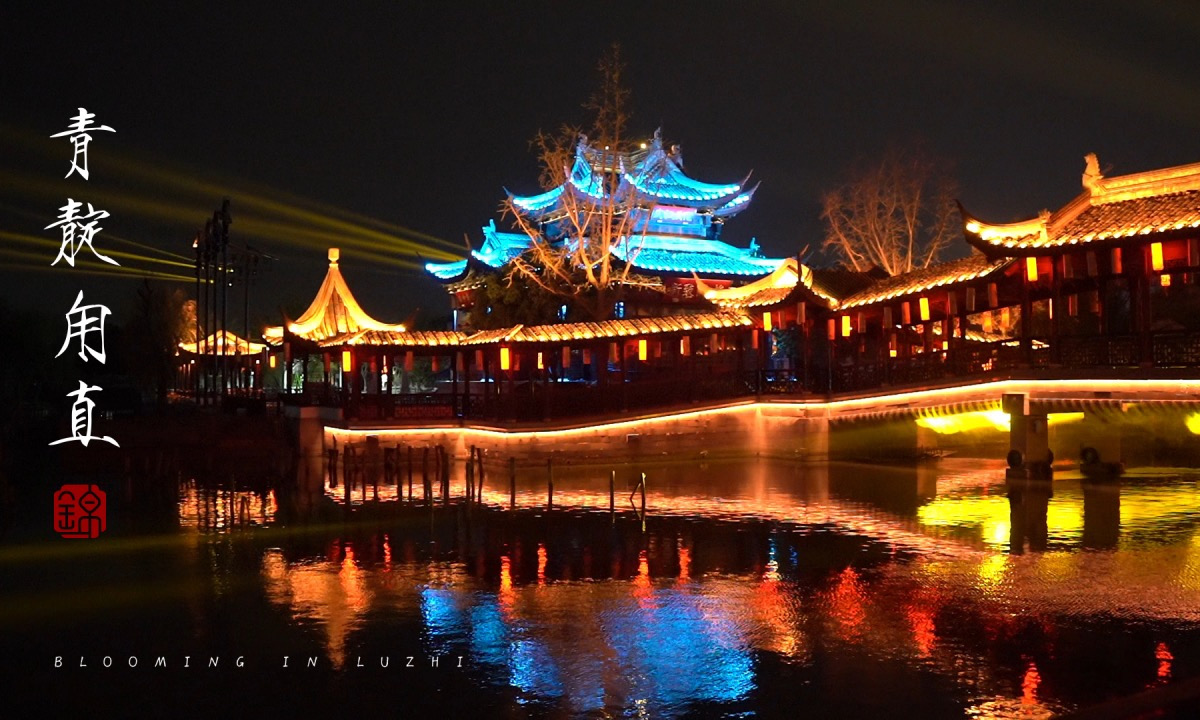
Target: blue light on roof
[(685, 245), (534, 203), (676, 186), (446, 271), (665, 253)]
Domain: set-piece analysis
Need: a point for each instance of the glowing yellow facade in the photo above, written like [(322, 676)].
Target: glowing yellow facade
[(223, 343)]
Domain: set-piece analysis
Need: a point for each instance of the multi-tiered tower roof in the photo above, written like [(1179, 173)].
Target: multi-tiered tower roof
[(674, 225)]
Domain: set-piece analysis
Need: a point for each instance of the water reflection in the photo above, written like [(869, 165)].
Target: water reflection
[(1029, 507), (847, 590), (899, 563)]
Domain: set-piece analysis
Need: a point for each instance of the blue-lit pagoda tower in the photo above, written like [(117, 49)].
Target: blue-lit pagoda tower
[(672, 227)]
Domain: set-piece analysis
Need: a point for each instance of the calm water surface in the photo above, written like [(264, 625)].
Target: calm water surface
[(748, 589)]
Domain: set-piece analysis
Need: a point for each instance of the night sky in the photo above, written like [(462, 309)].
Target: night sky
[(407, 121)]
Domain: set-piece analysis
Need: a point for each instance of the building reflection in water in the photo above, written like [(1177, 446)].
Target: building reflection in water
[(1101, 514), (1029, 503), (934, 570)]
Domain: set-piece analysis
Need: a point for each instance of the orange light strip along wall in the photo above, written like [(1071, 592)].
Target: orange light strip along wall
[(896, 402)]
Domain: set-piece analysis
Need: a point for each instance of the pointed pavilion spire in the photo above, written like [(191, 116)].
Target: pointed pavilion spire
[(334, 311)]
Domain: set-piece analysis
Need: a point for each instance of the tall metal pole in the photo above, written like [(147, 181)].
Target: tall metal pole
[(209, 290), (218, 309), (222, 300), (222, 220), (246, 300), (195, 366)]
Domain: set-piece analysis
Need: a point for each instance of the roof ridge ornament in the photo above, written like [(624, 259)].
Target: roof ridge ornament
[(1093, 179), (334, 255)]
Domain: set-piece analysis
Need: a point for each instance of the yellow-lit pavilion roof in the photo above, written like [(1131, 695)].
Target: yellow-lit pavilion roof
[(626, 327), (333, 312), (414, 338), (1108, 209), (829, 285), (777, 286), (563, 332), (223, 343), (765, 291), (917, 281)]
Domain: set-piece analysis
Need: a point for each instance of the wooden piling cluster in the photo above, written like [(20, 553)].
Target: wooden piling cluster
[(366, 465), (372, 466), (474, 480)]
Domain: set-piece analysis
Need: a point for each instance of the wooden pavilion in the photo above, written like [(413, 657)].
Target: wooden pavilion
[(1107, 281)]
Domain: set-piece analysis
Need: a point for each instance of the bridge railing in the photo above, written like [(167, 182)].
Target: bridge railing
[(647, 388)]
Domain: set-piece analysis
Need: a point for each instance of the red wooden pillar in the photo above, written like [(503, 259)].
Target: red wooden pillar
[(1026, 321), (1139, 277), (624, 376), (1056, 309)]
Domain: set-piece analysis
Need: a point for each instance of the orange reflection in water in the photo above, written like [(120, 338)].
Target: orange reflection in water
[(1029, 686), (1162, 653), (685, 562), (923, 629), (352, 582), (847, 603), (776, 622), (332, 594), (542, 558), (507, 595), (643, 588), (775, 505), (222, 510)]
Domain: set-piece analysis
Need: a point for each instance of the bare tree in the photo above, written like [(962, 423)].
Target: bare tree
[(597, 216), (897, 214), (159, 324)]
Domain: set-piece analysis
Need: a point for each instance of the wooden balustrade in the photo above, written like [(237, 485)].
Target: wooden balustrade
[(644, 386)]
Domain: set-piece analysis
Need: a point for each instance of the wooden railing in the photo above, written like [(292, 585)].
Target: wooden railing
[(648, 387)]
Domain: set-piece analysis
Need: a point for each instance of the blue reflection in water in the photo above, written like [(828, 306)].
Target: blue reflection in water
[(660, 650), (444, 620), (489, 635), (533, 670), (530, 665), (680, 647)]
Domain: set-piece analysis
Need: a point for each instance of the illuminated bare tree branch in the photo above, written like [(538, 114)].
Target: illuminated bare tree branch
[(596, 225), (897, 214)]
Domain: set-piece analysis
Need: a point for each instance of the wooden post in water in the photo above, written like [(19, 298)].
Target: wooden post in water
[(549, 483), (348, 453), (479, 485), (445, 465), (410, 472), (425, 473), (469, 490), (512, 483), (435, 474), (612, 492), (643, 498)]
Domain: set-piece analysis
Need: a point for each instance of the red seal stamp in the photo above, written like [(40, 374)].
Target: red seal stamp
[(80, 511)]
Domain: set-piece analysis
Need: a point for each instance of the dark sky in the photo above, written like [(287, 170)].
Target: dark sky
[(411, 118)]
